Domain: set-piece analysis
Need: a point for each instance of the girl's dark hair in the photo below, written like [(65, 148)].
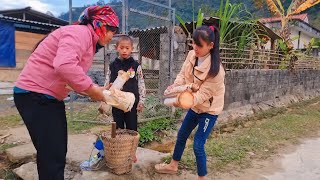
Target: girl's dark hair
[(209, 36)]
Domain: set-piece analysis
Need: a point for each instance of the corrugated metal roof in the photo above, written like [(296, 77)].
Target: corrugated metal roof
[(7, 18), (160, 29), (34, 13)]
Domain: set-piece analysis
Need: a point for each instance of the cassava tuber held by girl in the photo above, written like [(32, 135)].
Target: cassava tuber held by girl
[(179, 89), (184, 100)]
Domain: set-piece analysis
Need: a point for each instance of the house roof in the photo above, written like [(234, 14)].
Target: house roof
[(12, 19), (153, 30), (299, 20), (301, 17), (29, 26), (28, 13)]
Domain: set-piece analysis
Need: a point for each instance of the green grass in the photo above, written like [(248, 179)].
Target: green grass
[(89, 113), (8, 174), (3, 147), (9, 121), (151, 130), (269, 131)]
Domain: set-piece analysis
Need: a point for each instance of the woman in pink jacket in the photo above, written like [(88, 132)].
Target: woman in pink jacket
[(61, 59)]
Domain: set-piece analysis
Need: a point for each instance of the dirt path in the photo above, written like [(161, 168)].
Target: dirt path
[(290, 161), (294, 162)]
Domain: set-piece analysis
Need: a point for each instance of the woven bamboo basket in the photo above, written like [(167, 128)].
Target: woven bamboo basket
[(119, 150)]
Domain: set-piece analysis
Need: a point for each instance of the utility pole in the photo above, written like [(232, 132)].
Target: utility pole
[(123, 28), (70, 11)]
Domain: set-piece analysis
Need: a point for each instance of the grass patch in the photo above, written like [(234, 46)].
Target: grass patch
[(3, 147), (8, 174), (154, 107), (268, 132), (10, 121), (151, 130), (89, 113)]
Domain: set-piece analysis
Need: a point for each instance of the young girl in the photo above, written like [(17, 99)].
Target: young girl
[(202, 67), (61, 59)]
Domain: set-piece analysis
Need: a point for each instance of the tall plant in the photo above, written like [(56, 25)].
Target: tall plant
[(237, 25), (198, 23)]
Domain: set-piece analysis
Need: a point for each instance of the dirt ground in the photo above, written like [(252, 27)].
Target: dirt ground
[(282, 164), (7, 107)]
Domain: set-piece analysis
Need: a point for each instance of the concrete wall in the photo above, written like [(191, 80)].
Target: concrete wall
[(245, 87), (179, 55), (254, 90)]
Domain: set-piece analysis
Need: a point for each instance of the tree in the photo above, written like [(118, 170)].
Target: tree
[(296, 7)]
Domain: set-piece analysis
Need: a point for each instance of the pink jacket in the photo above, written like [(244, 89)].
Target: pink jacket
[(64, 57)]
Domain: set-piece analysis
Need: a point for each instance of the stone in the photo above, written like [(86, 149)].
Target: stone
[(29, 172), (79, 147), (21, 153)]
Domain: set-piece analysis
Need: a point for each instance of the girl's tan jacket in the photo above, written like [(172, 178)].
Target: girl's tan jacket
[(210, 97)]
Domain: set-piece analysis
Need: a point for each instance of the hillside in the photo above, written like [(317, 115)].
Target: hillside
[(184, 9)]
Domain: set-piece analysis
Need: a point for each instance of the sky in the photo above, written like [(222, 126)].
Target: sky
[(56, 7)]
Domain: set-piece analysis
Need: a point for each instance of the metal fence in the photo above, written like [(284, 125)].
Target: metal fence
[(234, 58), (147, 22), (150, 25)]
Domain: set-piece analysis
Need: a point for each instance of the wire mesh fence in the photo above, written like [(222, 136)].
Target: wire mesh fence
[(150, 25), (145, 22)]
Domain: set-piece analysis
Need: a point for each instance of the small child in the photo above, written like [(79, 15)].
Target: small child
[(135, 84)]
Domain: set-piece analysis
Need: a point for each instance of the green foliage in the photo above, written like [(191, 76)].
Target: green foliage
[(150, 130), (314, 43), (209, 7), (153, 107), (182, 22), (237, 25), (3, 147), (178, 113), (199, 19)]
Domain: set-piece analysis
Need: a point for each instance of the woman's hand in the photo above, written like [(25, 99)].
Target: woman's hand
[(96, 93), (107, 87)]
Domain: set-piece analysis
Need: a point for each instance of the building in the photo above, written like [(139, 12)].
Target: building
[(20, 30), (300, 30)]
